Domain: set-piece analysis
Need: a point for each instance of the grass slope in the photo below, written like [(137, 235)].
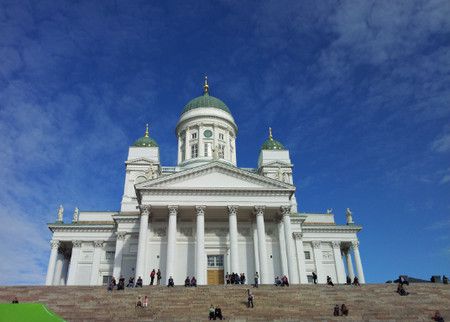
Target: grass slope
[(25, 312)]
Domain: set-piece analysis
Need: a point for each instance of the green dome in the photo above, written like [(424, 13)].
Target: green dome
[(206, 101), (271, 144), (145, 141)]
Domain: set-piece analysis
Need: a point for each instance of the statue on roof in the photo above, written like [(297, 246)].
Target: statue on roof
[(60, 213), (76, 214), (349, 217)]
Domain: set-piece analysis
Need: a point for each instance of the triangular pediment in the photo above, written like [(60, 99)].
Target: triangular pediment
[(215, 175), (140, 161)]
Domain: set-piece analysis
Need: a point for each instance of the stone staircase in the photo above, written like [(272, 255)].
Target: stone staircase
[(374, 302)]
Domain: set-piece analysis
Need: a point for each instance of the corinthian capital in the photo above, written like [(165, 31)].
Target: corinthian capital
[(336, 244), (76, 243), (54, 243), (259, 210), (355, 244), (99, 243), (173, 210), (297, 235), (316, 244), (200, 210), (285, 210), (232, 210), (145, 209), (121, 235)]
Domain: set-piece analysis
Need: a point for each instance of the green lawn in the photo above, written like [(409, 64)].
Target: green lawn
[(27, 312)]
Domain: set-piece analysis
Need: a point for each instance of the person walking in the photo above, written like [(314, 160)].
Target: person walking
[(250, 298)]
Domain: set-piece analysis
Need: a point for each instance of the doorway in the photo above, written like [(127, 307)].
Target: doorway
[(215, 270)]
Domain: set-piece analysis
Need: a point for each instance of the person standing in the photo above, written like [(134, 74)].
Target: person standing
[(250, 298), (314, 275), (152, 276), (256, 279), (158, 277)]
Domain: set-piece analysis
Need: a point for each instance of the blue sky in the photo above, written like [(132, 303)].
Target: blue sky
[(357, 90)]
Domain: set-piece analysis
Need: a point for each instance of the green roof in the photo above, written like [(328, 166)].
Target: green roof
[(206, 100), (145, 141), (271, 143)]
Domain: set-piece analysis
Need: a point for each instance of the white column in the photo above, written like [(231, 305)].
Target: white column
[(350, 271), (234, 255), (293, 272), (263, 266), (200, 259), (58, 268), (358, 264), (179, 148), (201, 144), (118, 255), (301, 262), (187, 148), (340, 270), (142, 243), (98, 245), (171, 241), (52, 262), (76, 249), (321, 278), (255, 247), (65, 271), (282, 242)]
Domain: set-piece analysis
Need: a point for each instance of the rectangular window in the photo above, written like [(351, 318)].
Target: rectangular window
[(221, 151), (106, 279), (109, 255), (220, 136), (307, 255), (207, 149), (194, 150), (194, 135), (215, 261)]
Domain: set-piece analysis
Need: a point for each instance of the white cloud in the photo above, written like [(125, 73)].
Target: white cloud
[(441, 144)]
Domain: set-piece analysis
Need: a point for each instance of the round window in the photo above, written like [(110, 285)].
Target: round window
[(207, 133)]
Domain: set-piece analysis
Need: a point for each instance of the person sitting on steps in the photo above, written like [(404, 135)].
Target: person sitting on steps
[(401, 290), (170, 282), (336, 310), (437, 317), (193, 281), (212, 312), (15, 300), (145, 301), (277, 281), (329, 281), (139, 302), (218, 313), (139, 282), (344, 310), (242, 278), (121, 285), (187, 282), (130, 282), (284, 281), (356, 281), (349, 280)]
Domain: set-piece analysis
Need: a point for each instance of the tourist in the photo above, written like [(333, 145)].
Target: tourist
[(356, 281), (227, 278), (336, 310), (401, 290), (145, 301), (218, 313), (15, 300), (121, 285), (277, 281), (444, 279), (314, 275), (152, 276), (139, 302), (349, 280), (139, 282), (187, 282), (113, 280), (232, 278), (344, 310), (212, 313), (284, 281), (110, 285), (329, 281), (256, 279), (250, 298), (158, 277), (170, 282), (193, 281), (403, 280), (437, 317), (242, 278), (130, 282), (237, 279)]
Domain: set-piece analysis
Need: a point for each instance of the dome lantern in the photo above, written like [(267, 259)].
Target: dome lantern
[(146, 141), (271, 143)]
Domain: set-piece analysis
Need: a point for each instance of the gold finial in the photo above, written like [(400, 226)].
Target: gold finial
[(206, 87), (146, 130), (270, 133)]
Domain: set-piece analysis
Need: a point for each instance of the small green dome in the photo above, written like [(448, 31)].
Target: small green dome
[(271, 144), (206, 100), (145, 141)]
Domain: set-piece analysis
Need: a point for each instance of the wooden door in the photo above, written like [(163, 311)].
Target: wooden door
[(215, 277)]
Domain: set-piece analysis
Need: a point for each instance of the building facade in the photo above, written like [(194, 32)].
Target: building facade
[(205, 217)]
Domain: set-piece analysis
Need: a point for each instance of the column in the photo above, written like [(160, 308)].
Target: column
[(200, 259), (65, 269), (58, 268), (118, 255), (348, 257), (201, 144), (255, 247), (358, 264), (340, 270), (187, 148), (142, 243), (321, 278), (98, 245), (293, 273), (234, 255), (282, 242), (52, 262), (301, 262), (76, 250), (263, 267), (171, 241)]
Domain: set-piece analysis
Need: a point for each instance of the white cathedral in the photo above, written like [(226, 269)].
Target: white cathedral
[(205, 217)]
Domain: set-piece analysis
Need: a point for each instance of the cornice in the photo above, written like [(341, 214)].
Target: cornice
[(330, 229), (216, 191), (80, 228)]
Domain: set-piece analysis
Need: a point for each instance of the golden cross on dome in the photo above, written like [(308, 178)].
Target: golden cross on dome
[(146, 130), (270, 133), (206, 87)]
